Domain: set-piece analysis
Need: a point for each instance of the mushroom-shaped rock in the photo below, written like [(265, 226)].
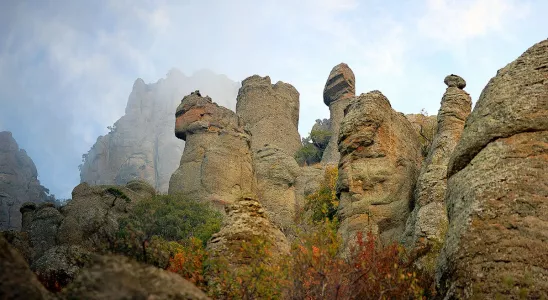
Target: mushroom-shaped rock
[(455, 81), (216, 165), (339, 89)]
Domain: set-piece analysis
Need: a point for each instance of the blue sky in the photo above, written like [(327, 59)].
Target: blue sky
[(67, 66)]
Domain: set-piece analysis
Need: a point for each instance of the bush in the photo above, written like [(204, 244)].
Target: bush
[(427, 130), (324, 202), (308, 154), (262, 277), (153, 223)]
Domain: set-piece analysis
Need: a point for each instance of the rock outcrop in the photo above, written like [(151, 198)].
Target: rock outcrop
[(270, 112), (216, 165), (497, 191), (117, 277), (380, 160), (339, 89), (276, 174), (246, 220), (18, 182), (89, 220), (427, 225), (16, 279), (140, 144)]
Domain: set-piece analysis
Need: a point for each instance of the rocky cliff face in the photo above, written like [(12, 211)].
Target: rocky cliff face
[(497, 191), (18, 182), (141, 144), (380, 158), (427, 224)]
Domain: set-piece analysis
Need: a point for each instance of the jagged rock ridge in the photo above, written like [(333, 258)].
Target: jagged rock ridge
[(141, 144), (18, 182)]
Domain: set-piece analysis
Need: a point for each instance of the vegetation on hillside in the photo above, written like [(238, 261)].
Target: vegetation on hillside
[(314, 145)]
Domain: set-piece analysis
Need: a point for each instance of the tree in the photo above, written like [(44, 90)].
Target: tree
[(165, 218)]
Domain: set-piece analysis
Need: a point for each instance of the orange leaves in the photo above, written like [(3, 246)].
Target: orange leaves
[(189, 261), (369, 271)]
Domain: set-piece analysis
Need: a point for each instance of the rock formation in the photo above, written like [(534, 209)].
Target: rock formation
[(380, 157), (18, 182), (117, 277), (140, 144), (497, 192), (246, 220), (427, 224), (216, 164), (276, 174), (271, 113), (16, 279), (339, 89), (89, 220)]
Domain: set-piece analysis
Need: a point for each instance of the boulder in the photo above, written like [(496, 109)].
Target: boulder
[(380, 161), (497, 192), (246, 220), (43, 229), (427, 225), (339, 89), (91, 217), (216, 165), (60, 265), (270, 112), (117, 277), (16, 279)]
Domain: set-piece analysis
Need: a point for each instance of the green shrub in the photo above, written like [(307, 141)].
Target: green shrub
[(324, 203), (308, 154), (155, 222)]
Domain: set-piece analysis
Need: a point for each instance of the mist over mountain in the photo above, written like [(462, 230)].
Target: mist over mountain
[(141, 144)]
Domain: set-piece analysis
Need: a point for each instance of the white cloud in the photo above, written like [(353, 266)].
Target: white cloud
[(453, 22)]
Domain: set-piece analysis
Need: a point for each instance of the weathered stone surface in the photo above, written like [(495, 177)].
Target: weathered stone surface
[(339, 89), (380, 157), (43, 229), (60, 265), (140, 144), (427, 224), (16, 279), (276, 174), (216, 165), (18, 182), (246, 220), (455, 81), (270, 112), (91, 217), (117, 277), (497, 192), (20, 241), (307, 183)]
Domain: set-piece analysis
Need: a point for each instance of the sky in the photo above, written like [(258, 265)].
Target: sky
[(67, 66)]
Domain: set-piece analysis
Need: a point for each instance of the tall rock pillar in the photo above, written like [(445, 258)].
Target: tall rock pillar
[(339, 89), (427, 224), (216, 164), (271, 113)]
